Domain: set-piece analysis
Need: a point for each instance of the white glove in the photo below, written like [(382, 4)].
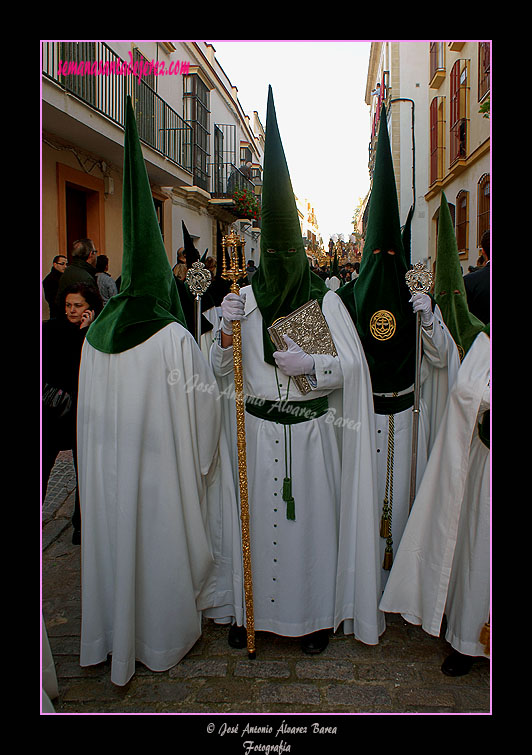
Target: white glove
[(295, 361), (422, 303), (232, 309)]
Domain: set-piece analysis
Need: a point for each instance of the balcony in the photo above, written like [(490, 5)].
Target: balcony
[(105, 89), (225, 179)]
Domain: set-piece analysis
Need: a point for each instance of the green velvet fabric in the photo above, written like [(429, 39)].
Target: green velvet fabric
[(381, 282), (449, 288), (148, 298), (283, 281)]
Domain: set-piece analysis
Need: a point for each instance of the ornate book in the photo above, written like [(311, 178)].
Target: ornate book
[(308, 328)]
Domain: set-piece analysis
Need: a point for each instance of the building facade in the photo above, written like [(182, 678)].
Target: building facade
[(435, 94), (203, 154), (309, 228), (459, 159)]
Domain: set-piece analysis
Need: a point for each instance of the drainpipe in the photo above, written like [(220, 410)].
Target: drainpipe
[(406, 99)]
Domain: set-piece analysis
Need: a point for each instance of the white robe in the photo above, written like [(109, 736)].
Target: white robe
[(156, 503), (333, 283), (321, 569), (443, 562), (439, 367), (207, 338)]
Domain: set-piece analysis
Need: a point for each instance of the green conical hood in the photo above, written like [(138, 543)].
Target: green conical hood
[(283, 281), (191, 253), (388, 338), (449, 288), (148, 298)]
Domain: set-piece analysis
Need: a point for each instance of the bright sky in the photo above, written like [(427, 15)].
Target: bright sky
[(318, 90)]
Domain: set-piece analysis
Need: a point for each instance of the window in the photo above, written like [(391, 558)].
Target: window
[(483, 206), (83, 86), (459, 100), (437, 64), (483, 69), (196, 98), (462, 221), (245, 155), (437, 138)]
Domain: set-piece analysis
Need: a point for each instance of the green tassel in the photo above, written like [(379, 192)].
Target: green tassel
[(287, 496), (291, 509)]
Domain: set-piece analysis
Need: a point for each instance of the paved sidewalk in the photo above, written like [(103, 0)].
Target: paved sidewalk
[(400, 675)]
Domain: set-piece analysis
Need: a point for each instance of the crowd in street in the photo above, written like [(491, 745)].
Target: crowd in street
[(364, 492)]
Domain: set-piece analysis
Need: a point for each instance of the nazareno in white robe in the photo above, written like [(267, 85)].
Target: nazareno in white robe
[(323, 568), (439, 367), (157, 502), (443, 562)]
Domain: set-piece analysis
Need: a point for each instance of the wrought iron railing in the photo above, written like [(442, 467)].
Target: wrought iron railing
[(105, 90), (225, 178)]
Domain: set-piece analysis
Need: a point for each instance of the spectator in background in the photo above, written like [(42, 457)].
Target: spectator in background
[(180, 271), (51, 283), (106, 285), (250, 269), (62, 340), (477, 285), (82, 267)]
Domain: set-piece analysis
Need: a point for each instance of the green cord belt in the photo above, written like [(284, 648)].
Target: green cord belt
[(287, 412)]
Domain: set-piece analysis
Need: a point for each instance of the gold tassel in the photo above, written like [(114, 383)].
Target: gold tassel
[(388, 559), (385, 530), (484, 637)]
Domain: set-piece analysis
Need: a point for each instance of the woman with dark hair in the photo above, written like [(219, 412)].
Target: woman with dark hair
[(62, 340), (106, 285)]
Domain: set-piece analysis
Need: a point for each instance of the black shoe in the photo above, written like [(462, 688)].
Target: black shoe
[(76, 537), (457, 664), (315, 642), (237, 636)]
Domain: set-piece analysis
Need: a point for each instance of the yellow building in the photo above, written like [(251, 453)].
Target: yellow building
[(459, 158), (433, 93), (199, 146), (309, 228)]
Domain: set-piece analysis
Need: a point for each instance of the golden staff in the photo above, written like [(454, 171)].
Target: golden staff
[(419, 281), (234, 272)]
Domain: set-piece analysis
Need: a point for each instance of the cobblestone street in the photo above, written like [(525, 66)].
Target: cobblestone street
[(400, 675)]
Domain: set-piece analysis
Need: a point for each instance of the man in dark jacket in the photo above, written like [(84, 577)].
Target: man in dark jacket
[(51, 283), (477, 285), (82, 268)]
